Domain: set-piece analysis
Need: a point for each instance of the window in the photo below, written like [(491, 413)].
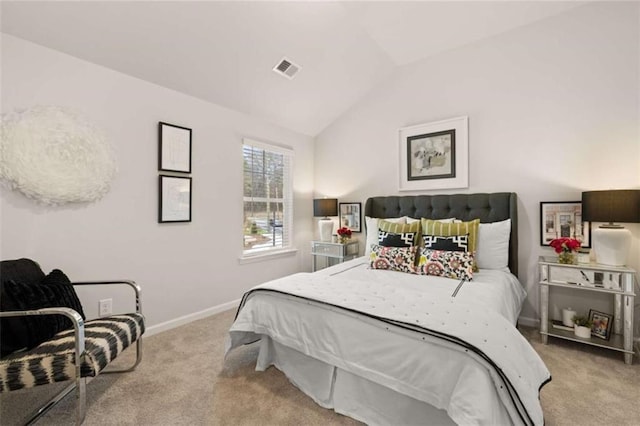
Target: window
[(268, 197)]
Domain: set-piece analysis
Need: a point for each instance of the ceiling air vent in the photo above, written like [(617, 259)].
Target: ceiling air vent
[(287, 68)]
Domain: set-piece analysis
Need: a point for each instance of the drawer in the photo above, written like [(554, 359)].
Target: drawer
[(328, 249), (585, 277)]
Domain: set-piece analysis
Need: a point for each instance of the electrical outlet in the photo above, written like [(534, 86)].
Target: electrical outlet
[(105, 307)]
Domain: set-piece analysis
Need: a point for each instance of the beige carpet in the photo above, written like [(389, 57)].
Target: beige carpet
[(183, 381)]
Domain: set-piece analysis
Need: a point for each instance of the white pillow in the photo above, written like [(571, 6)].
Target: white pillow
[(492, 248), (372, 230)]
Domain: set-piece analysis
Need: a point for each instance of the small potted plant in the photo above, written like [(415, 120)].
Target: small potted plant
[(582, 326)]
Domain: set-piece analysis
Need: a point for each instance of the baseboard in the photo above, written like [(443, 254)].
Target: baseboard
[(168, 325), (529, 322)]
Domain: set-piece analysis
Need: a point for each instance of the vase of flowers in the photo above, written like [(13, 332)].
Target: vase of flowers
[(344, 235), (567, 249)]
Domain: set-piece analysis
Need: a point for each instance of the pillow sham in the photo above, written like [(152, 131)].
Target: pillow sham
[(433, 227), (448, 264), (372, 231), (391, 239), (492, 248), (401, 259), (401, 228), (454, 243)]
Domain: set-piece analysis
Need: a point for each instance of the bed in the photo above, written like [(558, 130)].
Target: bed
[(390, 347)]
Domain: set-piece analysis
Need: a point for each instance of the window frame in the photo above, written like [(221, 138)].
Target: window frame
[(287, 244)]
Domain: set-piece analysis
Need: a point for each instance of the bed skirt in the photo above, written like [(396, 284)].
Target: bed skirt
[(347, 393)]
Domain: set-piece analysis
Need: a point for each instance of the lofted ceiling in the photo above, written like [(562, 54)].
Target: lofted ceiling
[(224, 52)]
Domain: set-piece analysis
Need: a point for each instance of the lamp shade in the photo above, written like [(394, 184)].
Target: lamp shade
[(622, 205), (325, 207)]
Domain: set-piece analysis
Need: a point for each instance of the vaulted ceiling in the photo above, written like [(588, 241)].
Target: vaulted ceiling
[(224, 52)]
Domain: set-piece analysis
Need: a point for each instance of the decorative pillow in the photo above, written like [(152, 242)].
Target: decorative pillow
[(27, 332), (434, 227), (448, 264), (401, 228), (447, 220), (492, 250), (393, 258), (391, 239), (372, 231), (455, 243)]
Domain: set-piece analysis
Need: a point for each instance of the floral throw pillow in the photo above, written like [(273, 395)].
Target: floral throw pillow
[(400, 259), (442, 263)]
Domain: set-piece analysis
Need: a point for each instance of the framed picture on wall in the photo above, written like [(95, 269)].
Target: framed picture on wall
[(174, 150), (351, 216), (174, 199), (434, 155), (563, 219)]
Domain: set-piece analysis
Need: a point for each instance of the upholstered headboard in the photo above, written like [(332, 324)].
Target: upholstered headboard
[(492, 207)]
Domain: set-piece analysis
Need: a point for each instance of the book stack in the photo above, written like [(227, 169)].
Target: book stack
[(558, 324)]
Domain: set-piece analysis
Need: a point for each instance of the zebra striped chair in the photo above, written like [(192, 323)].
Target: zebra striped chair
[(72, 354)]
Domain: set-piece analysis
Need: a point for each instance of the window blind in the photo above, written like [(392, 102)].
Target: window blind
[(268, 197)]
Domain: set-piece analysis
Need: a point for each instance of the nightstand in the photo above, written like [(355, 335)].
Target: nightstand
[(593, 277), (326, 254)]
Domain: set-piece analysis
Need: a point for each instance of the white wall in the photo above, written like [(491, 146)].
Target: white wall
[(183, 268), (553, 110)]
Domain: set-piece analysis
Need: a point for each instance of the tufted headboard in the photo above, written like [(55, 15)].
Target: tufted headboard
[(492, 207)]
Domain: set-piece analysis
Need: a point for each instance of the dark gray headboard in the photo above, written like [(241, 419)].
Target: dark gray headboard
[(492, 207)]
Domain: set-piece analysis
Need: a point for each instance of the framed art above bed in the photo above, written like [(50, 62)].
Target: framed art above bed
[(434, 155)]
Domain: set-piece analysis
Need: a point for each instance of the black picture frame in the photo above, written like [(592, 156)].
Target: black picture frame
[(563, 219), (350, 215), (422, 155), (174, 199), (601, 324), (174, 148)]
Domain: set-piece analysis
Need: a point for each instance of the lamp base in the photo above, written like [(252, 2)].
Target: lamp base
[(326, 229), (611, 245)]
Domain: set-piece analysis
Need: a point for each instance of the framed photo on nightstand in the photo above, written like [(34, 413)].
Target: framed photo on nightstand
[(351, 216), (563, 219), (601, 324)]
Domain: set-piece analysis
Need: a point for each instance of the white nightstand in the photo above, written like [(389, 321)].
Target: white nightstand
[(329, 254), (616, 281)]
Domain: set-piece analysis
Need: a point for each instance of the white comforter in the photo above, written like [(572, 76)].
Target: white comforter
[(461, 354)]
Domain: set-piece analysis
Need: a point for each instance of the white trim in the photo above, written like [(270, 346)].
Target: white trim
[(168, 325), (267, 255)]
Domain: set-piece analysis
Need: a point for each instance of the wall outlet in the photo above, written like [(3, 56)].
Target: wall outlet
[(105, 307)]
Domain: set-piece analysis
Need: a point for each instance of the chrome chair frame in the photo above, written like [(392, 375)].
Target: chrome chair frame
[(79, 383)]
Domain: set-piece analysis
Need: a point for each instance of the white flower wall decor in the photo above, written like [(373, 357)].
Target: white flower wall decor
[(55, 156)]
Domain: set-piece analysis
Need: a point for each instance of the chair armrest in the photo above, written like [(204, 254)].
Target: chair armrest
[(76, 319), (136, 288)]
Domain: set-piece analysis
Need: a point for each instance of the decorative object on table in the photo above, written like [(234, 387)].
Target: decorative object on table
[(560, 326), (611, 242), (351, 216), (563, 219), (567, 249), (325, 207), (344, 235), (582, 326), (584, 256), (567, 317), (55, 156), (434, 155), (174, 148), (175, 199), (601, 324)]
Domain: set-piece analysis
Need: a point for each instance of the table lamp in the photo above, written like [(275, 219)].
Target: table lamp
[(611, 242), (325, 207)]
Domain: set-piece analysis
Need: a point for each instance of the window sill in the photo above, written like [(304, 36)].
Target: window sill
[(260, 257)]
